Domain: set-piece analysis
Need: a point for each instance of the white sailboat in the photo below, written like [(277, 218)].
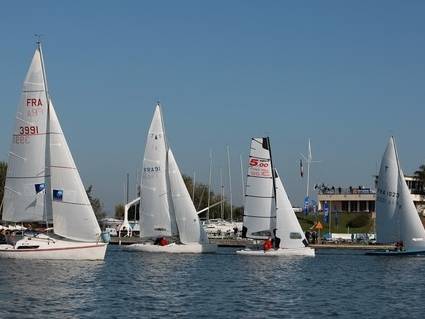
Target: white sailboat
[(43, 183), (397, 219), (166, 209), (268, 211)]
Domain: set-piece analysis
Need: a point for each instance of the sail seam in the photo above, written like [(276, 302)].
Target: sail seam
[(64, 167), (256, 216), (259, 157), (253, 176), (17, 177), (71, 203), (258, 196)]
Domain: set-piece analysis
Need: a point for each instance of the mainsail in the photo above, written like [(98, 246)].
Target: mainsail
[(190, 230), (387, 223), (288, 229), (260, 210), (25, 180), (156, 215)]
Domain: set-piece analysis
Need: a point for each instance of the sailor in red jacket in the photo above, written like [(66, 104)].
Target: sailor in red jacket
[(267, 244)]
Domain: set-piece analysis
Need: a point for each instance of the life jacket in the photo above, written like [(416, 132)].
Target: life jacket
[(163, 242)]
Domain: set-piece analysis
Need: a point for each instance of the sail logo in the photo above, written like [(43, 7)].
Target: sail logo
[(152, 169), (259, 167), (58, 195), (34, 102)]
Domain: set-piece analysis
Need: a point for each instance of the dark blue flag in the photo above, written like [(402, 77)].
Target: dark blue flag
[(325, 212), (39, 187), (57, 194)]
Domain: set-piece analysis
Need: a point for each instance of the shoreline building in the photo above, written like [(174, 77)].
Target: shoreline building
[(355, 199)]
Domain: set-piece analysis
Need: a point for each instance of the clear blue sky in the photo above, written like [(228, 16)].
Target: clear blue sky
[(347, 74)]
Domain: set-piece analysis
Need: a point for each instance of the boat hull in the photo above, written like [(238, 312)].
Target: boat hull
[(395, 253), (306, 251), (54, 249), (193, 248)]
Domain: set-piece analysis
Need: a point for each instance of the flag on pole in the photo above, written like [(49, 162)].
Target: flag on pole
[(301, 168), (39, 187), (306, 205), (325, 213)]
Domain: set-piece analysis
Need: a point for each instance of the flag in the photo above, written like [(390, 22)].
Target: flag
[(306, 205), (39, 187), (301, 168), (58, 195), (325, 212)]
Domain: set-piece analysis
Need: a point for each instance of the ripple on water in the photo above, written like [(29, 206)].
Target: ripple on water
[(129, 284)]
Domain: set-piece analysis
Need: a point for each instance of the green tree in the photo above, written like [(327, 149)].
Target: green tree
[(95, 203), (119, 211), (3, 170), (420, 174)]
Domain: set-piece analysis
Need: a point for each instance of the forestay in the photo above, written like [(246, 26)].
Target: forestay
[(288, 229), (25, 180), (259, 212), (156, 217), (190, 230)]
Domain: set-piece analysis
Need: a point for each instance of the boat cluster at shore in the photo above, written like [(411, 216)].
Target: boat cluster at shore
[(43, 186)]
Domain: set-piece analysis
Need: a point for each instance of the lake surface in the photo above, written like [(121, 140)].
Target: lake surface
[(344, 284)]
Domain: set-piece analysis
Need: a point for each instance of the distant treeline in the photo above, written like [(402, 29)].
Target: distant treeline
[(200, 201)]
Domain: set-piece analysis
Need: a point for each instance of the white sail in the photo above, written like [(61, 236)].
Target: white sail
[(288, 229), (155, 213), (387, 224), (25, 180), (412, 232), (189, 227), (259, 211), (73, 215)]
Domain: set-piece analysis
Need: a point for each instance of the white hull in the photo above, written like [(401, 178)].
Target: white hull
[(306, 251), (193, 248), (50, 248)]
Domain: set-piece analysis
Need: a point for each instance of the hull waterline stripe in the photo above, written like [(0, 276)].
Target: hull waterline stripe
[(49, 249)]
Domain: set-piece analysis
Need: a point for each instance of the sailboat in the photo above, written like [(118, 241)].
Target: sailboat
[(268, 211), (397, 220), (166, 209), (43, 184)]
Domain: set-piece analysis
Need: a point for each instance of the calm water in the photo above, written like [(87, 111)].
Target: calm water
[(343, 284)]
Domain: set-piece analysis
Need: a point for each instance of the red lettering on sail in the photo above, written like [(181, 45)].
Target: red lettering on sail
[(34, 102)]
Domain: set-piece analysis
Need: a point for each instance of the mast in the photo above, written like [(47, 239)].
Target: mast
[(193, 186), (222, 194), (273, 172), (47, 186), (230, 184), (309, 161), (242, 179), (209, 186), (398, 179)]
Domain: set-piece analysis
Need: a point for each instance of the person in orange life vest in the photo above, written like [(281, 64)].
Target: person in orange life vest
[(267, 244), (163, 242)]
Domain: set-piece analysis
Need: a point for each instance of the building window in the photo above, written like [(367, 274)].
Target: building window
[(353, 205), (371, 206), (362, 205), (344, 206)]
